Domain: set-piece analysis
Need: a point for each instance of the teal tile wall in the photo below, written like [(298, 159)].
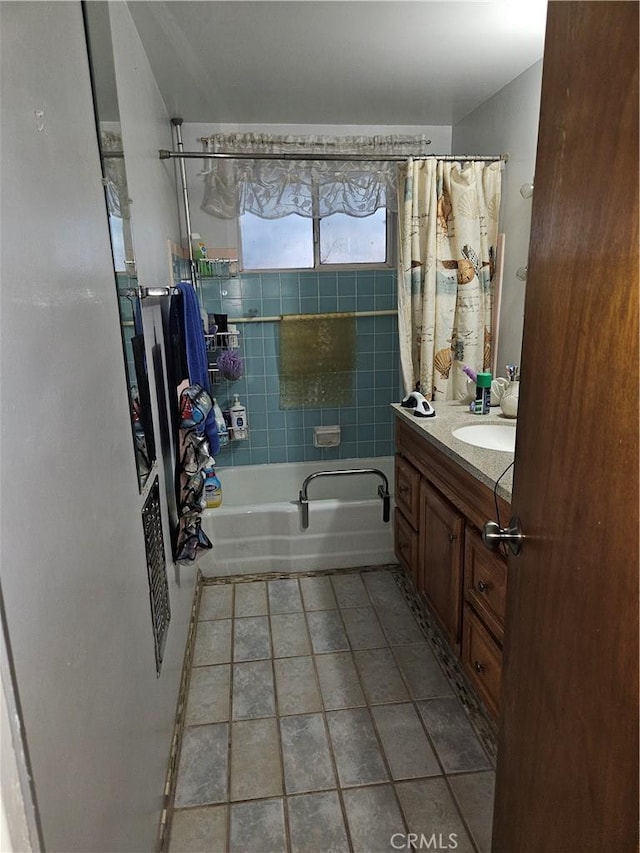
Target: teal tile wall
[(276, 435)]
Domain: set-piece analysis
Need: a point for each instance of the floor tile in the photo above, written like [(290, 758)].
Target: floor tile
[(350, 591), (374, 819), (383, 590), (316, 823), (251, 599), (421, 671), (255, 760), (339, 682), (430, 810), (363, 628), (202, 772), (317, 594), (289, 635), (251, 638), (284, 596), (380, 676), (209, 695), (213, 643), (355, 747), (474, 793), (253, 693), (453, 737), (327, 631), (200, 830), (305, 752), (399, 625), (297, 686), (216, 602), (408, 752), (257, 826)]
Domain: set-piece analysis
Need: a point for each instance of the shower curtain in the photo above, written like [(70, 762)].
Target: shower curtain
[(448, 229)]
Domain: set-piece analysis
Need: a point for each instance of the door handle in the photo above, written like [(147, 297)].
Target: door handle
[(493, 535)]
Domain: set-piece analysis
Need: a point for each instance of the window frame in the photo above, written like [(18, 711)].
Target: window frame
[(388, 263)]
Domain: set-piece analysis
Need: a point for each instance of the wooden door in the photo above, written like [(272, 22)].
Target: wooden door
[(441, 552), (567, 776)]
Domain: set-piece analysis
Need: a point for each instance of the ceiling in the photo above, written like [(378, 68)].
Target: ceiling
[(425, 62)]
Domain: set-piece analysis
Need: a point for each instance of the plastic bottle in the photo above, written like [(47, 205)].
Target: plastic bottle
[(212, 489), (483, 394), (223, 432), (238, 419)]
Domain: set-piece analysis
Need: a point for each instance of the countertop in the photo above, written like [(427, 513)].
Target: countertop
[(487, 466)]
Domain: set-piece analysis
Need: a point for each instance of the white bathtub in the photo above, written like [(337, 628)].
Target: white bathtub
[(258, 527)]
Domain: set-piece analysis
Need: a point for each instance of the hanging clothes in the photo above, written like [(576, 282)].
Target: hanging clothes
[(194, 458)]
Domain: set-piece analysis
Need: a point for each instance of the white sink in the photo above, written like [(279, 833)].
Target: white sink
[(490, 436)]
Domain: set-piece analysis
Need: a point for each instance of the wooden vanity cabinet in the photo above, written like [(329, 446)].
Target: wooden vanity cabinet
[(440, 509)]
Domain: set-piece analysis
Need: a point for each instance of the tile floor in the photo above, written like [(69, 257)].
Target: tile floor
[(318, 719)]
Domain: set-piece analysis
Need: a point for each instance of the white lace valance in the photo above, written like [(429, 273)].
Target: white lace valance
[(273, 188)]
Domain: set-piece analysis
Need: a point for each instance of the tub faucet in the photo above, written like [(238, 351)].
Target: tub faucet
[(383, 490)]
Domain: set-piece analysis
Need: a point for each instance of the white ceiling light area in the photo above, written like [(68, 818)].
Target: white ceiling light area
[(356, 62)]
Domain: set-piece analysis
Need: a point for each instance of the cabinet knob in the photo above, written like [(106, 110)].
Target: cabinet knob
[(483, 586), (403, 488), (479, 667), (452, 537)]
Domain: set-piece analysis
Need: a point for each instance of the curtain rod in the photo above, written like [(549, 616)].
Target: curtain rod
[(165, 154)]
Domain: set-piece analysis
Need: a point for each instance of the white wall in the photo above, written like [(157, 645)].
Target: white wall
[(508, 122), (97, 720), (222, 234)]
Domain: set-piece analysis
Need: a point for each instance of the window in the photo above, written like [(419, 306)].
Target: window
[(298, 242)]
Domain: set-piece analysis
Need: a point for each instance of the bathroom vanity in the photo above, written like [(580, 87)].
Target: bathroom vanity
[(445, 490)]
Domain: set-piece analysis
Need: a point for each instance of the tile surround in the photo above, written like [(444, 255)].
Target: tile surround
[(376, 383), (326, 750)]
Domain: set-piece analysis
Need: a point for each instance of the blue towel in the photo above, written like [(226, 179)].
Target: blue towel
[(197, 361)]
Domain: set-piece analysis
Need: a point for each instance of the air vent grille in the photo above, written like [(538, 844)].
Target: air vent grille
[(157, 571)]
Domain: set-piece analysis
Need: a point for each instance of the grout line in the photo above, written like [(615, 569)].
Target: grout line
[(230, 729), (276, 703)]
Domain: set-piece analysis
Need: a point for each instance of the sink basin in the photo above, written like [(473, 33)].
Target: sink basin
[(490, 436)]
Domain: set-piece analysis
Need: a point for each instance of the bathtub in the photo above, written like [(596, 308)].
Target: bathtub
[(258, 527)]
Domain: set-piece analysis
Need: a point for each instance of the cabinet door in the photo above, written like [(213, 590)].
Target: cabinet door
[(440, 565)]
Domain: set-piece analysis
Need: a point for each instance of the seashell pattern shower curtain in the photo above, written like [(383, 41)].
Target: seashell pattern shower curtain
[(448, 224)]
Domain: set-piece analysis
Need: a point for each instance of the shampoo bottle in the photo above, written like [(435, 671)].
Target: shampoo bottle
[(238, 419)]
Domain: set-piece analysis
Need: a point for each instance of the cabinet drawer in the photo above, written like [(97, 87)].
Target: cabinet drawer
[(482, 660), (407, 490), (485, 582), (406, 546)]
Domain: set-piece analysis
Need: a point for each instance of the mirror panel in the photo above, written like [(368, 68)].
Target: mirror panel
[(98, 33)]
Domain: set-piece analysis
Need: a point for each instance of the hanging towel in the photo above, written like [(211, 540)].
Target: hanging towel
[(197, 362), (317, 360)]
